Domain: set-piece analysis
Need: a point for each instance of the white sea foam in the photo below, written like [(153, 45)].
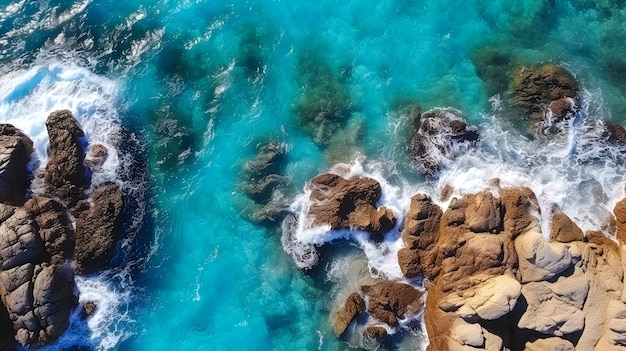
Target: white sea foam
[(27, 97)]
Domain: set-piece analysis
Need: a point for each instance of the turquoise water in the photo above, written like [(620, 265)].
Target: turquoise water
[(198, 85)]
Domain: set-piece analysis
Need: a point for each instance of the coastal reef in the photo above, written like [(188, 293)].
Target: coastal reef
[(492, 266), (53, 225)]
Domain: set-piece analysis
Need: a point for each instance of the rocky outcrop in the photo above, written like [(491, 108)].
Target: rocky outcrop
[(545, 93), (442, 136), (38, 240), (15, 151), (38, 293), (64, 174), (98, 229), (390, 302), (349, 203), (97, 154), (353, 305)]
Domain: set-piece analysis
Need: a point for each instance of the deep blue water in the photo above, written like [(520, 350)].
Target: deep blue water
[(197, 85)]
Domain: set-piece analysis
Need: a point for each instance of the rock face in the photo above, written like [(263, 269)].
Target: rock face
[(64, 175), (15, 151), (98, 229), (391, 301), (545, 92), (38, 240), (442, 136), (349, 203), (37, 292), (351, 308)]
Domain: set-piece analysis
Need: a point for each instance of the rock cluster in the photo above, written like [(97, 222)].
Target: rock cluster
[(496, 283), (386, 302), (38, 243)]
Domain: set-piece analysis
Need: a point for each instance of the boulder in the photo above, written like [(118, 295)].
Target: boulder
[(97, 154), (64, 174), (15, 151), (620, 219), (353, 306), (348, 204), (552, 344), (442, 136), (19, 240), (470, 334), (555, 308), (490, 299), (564, 229), (538, 259), (375, 331), (98, 229), (391, 301)]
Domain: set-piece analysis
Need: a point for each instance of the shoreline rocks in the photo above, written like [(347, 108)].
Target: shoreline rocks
[(38, 243)]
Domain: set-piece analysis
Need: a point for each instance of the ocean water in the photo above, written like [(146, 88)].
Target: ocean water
[(186, 91)]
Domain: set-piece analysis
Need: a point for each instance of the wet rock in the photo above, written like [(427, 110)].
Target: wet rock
[(353, 305), (15, 151), (89, 309), (348, 203), (615, 133), (64, 175), (442, 136), (539, 89), (420, 235), (98, 229), (375, 331), (389, 301), (97, 155)]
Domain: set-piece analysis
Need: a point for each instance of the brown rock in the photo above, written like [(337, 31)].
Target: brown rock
[(65, 172), (349, 203), (353, 305), (19, 242), (98, 229), (564, 229), (420, 235), (97, 154), (620, 217), (55, 227), (390, 301), (15, 151), (552, 344), (89, 309), (375, 331), (484, 214), (536, 87)]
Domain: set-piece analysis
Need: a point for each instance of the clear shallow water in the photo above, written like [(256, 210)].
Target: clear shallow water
[(196, 85)]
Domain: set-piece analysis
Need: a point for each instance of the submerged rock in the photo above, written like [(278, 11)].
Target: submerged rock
[(15, 151), (544, 93), (442, 136), (353, 306)]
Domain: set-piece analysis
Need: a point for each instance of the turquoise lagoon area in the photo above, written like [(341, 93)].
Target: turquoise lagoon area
[(188, 91)]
